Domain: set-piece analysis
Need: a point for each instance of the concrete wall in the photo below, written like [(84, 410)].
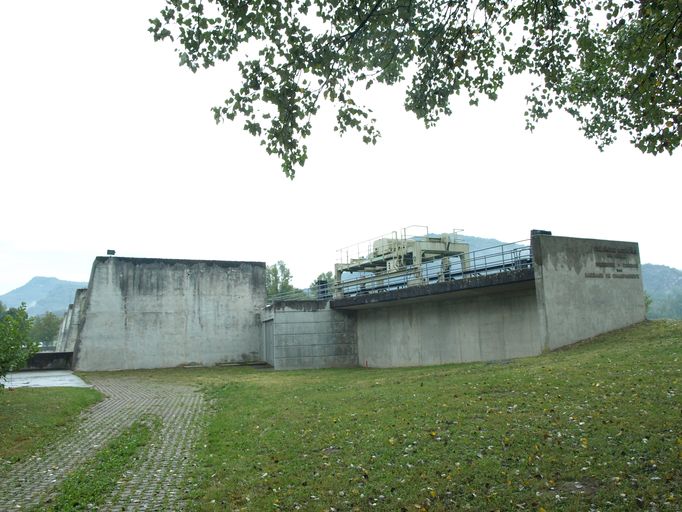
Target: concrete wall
[(64, 328), (307, 334), (68, 341), (585, 287), (491, 324), (154, 313)]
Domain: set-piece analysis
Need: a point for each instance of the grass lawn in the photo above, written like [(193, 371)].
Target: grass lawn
[(32, 417), (594, 426)]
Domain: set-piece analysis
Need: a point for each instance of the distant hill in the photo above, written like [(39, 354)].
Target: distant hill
[(43, 294), (479, 244), (664, 286)]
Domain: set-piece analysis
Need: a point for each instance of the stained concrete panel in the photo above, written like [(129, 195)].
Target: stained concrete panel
[(499, 324), (586, 287), (150, 313)]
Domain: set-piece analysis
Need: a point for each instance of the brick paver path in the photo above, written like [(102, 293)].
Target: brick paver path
[(156, 481)]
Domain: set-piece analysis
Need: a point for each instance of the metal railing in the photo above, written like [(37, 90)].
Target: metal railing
[(484, 262)]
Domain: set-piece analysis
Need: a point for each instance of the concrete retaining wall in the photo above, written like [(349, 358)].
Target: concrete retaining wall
[(71, 331), (586, 287), (498, 323), (307, 334), (153, 313)]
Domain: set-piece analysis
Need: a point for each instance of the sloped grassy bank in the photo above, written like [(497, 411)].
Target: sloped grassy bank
[(596, 425)]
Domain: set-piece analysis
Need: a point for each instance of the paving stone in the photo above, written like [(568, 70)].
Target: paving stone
[(154, 483)]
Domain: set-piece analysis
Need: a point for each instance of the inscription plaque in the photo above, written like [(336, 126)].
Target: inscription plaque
[(615, 261)]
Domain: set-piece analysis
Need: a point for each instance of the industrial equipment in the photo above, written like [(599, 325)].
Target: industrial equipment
[(400, 259)]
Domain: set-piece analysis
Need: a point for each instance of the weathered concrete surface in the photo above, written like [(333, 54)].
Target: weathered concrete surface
[(44, 379), (74, 317), (308, 334), (498, 323), (64, 328), (585, 287), (158, 481), (154, 313)]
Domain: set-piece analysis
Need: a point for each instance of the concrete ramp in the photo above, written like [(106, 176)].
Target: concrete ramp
[(44, 379)]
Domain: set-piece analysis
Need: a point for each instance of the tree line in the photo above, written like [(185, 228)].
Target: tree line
[(278, 282)]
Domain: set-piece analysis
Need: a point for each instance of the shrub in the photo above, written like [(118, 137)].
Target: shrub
[(15, 345)]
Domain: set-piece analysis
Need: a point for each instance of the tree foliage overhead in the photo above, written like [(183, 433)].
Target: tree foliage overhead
[(613, 65)]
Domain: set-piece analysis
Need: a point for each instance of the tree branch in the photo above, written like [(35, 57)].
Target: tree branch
[(348, 37)]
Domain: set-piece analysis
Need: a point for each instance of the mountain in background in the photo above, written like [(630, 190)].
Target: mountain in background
[(481, 244), (43, 294), (664, 286)]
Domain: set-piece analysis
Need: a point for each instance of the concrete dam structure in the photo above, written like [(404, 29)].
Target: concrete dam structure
[(156, 313), (555, 292), (503, 303)]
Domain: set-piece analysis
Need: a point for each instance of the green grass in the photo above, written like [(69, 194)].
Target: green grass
[(32, 417), (91, 484), (594, 424)]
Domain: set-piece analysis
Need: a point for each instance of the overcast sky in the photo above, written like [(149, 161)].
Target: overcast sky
[(106, 143)]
